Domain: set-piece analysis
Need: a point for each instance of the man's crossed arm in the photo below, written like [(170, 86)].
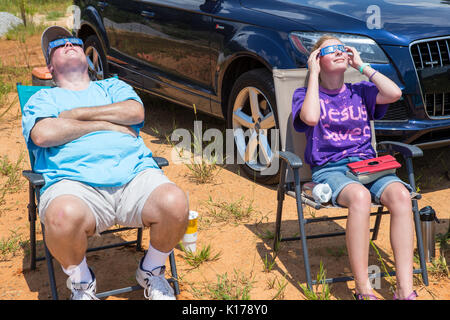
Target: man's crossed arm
[(72, 124)]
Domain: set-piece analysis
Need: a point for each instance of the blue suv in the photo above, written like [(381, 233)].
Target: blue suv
[(219, 55)]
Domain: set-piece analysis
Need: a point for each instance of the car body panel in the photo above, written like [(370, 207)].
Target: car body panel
[(187, 51), (400, 21)]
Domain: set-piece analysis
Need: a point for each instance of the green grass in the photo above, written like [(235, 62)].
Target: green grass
[(236, 211), (321, 291), (195, 259), (54, 15), (34, 6), (11, 245), (22, 32), (25, 10), (12, 172), (236, 288)]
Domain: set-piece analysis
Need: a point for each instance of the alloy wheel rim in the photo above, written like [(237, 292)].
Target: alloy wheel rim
[(95, 64), (253, 119)]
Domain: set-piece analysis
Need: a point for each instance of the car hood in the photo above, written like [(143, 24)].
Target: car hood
[(391, 22)]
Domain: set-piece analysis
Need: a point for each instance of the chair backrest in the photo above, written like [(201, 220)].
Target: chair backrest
[(286, 81), (25, 92)]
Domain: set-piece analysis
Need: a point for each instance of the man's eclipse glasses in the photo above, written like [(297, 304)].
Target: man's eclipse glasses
[(62, 42)]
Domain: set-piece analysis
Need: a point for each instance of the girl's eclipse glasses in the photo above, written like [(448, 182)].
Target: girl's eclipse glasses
[(61, 42), (332, 49)]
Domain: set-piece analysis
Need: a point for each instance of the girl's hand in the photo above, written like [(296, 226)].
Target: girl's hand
[(354, 59), (314, 62)]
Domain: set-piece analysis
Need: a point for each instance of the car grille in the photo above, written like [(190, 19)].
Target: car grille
[(432, 61), (437, 104), (431, 54), (396, 111)]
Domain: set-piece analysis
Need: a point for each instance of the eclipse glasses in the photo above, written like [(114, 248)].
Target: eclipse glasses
[(61, 42), (332, 49)]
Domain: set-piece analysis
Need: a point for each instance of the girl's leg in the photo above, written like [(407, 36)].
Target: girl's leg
[(358, 200), (397, 200)]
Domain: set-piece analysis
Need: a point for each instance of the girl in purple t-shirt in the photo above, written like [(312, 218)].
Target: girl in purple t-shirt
[(335, 118)]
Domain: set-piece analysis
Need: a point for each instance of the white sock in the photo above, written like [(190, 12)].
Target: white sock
[(154, 259), (80, 273)]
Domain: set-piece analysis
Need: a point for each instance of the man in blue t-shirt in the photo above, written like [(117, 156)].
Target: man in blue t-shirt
[(98, 172)]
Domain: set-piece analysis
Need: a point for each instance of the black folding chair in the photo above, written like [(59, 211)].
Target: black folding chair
[(295, 180), (36, 182)]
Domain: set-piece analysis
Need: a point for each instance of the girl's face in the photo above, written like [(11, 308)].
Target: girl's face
[(336, 61)]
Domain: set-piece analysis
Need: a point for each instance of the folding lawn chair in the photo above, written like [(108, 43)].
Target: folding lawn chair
[(295, 179), (36, 181)]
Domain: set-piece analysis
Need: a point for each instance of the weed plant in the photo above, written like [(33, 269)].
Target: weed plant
[(236, 211), (195, 259), (236, 288), (321, 291), (10, 245)]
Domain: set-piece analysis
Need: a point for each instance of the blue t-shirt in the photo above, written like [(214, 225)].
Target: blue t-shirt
[(101, 158)]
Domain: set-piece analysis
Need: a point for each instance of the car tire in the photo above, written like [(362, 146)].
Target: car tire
[(255, 144), (98, 67)]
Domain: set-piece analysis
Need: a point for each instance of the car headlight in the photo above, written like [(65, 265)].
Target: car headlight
[(368, 49)]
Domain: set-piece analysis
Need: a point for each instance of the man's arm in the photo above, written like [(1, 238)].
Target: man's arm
[(126, 113), (50, 132)]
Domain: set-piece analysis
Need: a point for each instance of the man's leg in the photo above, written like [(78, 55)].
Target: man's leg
[(166, 212), (68, 223)]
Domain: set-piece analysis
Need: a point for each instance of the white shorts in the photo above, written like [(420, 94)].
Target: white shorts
[(110, 205)]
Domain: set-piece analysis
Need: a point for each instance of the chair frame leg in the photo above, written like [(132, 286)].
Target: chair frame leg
[(301, 223), (50, 268), (173, 270), (280, 198), (417, 225), (139, 239), (412, 183), (376, 228), (32, 220)]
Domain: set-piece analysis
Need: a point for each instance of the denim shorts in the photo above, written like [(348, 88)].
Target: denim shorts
[(334, 174)]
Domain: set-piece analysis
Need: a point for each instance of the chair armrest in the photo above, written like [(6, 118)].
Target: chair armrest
[(161, 162), (36, 179), (406, 150), (292, 159)]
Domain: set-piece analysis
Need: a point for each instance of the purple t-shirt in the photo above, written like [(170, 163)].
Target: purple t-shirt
[(343, 129)]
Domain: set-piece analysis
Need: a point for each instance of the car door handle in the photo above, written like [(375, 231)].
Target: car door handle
[(148, 14)]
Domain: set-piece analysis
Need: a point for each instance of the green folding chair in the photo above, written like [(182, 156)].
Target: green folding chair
[(36, 182)]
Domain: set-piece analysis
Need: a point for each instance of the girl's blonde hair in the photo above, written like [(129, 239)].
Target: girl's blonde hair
[(317, 46)]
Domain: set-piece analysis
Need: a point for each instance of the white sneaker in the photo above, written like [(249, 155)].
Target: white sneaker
[(83, 290), (155, 285)]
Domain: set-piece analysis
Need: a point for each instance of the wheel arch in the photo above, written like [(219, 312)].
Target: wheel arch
[(266, 52), (91, 24)]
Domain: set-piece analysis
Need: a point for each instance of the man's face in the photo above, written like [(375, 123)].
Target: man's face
[(68, 57)]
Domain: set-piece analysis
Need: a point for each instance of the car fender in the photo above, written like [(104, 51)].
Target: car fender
[(90, 17), (261, 47)]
